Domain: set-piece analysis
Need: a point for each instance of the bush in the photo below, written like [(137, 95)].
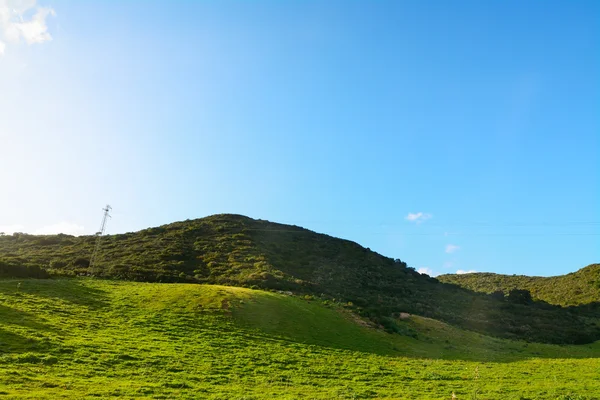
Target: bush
[(13, 270), (520, 296)]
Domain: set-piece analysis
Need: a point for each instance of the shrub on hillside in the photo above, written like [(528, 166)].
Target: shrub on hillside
[(520, 296), (13, 270)]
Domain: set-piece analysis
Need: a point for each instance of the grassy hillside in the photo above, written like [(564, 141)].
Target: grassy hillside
[(85, 338), (240, 251), (577, 288)]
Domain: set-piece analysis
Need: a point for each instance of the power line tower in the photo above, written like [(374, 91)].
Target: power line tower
[(99, 234)]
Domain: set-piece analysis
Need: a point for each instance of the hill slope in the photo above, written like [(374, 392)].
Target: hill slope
[(91, 338), (239, 251), (577, 288)]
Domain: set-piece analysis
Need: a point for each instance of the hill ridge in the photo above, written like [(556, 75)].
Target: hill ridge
[(236, 250), (575, 288)]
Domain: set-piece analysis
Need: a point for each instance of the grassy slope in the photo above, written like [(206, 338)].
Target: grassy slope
[(82, 338), (240, 251), (577, 288)]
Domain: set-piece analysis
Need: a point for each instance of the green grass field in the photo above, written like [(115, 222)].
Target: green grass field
[(84, 338)]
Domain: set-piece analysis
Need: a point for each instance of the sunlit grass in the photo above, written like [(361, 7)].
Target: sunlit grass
[(101, 339)]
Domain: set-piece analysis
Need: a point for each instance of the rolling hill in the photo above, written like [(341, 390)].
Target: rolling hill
[(83, 338), (239, 251), (574, 289)]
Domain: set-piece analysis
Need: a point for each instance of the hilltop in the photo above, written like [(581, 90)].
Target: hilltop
[(240, 251), (577, 288)]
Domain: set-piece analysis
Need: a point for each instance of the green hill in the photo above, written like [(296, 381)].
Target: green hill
[(577, 288), (240, 251), (87, 338)]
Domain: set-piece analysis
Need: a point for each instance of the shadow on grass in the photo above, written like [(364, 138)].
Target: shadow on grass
[(70, 290), (289, 320), (11, 316), (11, 342), (22, 330), (428, 349)]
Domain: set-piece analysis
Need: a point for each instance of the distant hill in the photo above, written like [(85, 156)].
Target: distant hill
[(240, 251), (577, 288)]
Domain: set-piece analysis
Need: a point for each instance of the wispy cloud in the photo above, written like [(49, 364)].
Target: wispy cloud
[(427, 271), (451, 248), (462, 271), (61, 227), (418, 217), (23, 20)]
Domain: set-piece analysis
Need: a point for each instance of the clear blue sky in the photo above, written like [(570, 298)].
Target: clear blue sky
[(340, 116)]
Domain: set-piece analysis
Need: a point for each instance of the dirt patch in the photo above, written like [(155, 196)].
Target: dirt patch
[(357, 319)]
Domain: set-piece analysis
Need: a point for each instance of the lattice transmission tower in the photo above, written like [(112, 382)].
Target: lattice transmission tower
[(99, 234)]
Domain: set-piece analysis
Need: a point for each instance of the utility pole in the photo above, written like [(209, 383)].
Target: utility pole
[(99, 234)]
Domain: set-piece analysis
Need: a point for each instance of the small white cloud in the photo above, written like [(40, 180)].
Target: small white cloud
[(427, 271), (418, 217), (462, 271), (36, 30), (61, 227), (15, 26), (10, 229), (451, 248)]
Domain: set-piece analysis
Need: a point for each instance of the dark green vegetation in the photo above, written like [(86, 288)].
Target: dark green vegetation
[(239, 251), (90, 338), (577, 288)]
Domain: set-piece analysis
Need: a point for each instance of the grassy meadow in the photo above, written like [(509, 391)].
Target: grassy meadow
[(85, 338)]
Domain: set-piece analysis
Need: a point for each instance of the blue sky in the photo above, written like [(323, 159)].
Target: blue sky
[(457, 135)]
